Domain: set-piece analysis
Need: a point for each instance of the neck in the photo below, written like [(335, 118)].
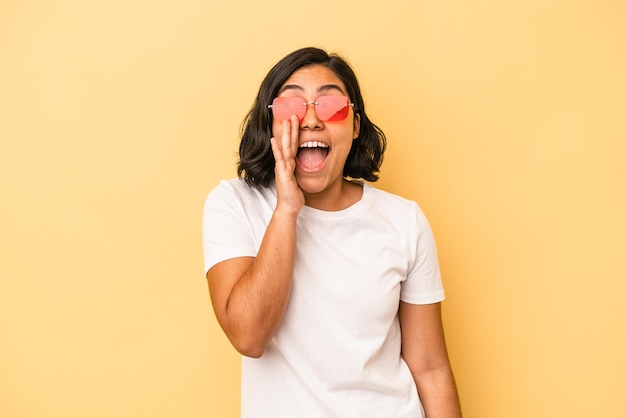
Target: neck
[(346, 194)]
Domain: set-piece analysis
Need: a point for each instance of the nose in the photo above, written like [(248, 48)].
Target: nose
[(310, 119)]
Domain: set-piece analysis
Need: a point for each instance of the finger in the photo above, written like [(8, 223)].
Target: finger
[(276, 149), (295, 133), (286, 147)]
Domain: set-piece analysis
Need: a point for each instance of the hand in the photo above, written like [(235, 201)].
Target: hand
[(290, 197)]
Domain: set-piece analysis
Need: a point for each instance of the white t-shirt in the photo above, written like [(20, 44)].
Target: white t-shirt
[(337, 351)]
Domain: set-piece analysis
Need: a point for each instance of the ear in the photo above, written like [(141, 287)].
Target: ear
[(357, 126)]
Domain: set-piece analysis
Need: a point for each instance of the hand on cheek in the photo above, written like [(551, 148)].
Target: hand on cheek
[(290, 197)]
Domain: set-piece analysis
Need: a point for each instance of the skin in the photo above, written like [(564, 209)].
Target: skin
[(250, 294), (424, 350)]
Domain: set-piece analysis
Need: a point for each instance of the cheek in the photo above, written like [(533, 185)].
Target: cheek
[(277, 130)]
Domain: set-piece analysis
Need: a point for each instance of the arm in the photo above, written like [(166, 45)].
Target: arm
[(424, 350), (250, 294)]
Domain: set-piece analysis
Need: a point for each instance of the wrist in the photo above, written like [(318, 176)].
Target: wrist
[(286, 213)]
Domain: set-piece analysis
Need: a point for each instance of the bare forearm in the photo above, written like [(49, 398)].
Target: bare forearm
[(438, 393), (424, 350), (258, 301)]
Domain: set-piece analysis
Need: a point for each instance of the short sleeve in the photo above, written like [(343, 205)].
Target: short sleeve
[(226, 231), (423, 284)]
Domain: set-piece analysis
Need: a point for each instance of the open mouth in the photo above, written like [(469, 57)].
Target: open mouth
[(312, 154)]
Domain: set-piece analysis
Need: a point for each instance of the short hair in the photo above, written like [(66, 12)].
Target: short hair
[(256, 160)]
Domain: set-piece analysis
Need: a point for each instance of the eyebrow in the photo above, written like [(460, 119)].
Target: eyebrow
[(321, 89)]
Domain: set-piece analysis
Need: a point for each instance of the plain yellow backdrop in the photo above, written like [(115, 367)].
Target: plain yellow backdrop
[(505, 120)]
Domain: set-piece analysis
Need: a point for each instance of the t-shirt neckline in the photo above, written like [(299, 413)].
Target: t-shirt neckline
[(356, 208)]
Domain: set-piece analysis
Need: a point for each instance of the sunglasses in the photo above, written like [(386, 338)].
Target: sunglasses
[(327, 108)]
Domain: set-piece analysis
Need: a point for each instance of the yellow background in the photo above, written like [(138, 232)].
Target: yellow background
[(505, 120)]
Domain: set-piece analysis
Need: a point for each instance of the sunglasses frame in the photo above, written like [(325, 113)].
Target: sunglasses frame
[(301, 112)]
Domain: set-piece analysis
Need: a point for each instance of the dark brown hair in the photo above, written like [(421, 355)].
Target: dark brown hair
[(256, 161)]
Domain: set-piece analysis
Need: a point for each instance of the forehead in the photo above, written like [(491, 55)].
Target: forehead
[(313, 79)]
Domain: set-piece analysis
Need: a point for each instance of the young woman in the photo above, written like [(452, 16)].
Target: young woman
[(329, 287)]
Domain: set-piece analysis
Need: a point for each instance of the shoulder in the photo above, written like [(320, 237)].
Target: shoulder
[(389, 201), (237, 189), (237, 196), (397, 208), (230, 187)]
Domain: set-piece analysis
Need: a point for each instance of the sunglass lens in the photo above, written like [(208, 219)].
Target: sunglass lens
[(284, 107), (332, 108)]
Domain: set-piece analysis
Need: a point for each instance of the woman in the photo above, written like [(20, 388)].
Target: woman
[(329, 287)]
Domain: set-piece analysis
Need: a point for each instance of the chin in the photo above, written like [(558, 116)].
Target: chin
[(310, 185), (310, 188)]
